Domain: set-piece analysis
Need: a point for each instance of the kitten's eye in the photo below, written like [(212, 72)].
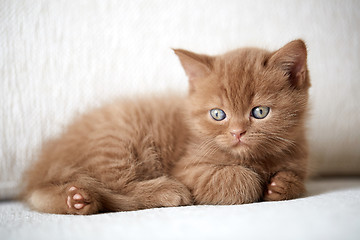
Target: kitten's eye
[(217, 114), (260, 112)]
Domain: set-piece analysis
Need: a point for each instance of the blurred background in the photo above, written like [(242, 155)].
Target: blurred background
[(58, 58)]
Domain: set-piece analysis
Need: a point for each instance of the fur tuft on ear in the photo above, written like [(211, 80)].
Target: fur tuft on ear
[(292, 60), (195, 65)]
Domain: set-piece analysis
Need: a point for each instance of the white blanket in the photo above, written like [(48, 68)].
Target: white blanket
[(330, 211)]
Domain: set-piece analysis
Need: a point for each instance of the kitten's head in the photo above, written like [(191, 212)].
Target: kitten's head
[(250, 101)]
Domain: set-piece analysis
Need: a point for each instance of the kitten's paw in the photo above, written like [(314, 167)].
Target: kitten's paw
[(162, 192), (284, 185), (78, 201), (171, 198)]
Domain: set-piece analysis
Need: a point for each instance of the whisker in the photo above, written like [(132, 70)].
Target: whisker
[(275, 137)]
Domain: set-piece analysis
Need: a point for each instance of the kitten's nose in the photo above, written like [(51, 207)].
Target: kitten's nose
[(237, 133)]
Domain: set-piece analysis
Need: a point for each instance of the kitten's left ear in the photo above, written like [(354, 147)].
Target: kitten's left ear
[(292, 60)]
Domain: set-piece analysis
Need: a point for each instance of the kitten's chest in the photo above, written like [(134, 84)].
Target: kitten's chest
[(264, 166)]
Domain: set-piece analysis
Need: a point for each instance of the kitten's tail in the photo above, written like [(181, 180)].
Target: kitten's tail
[(116, 202)]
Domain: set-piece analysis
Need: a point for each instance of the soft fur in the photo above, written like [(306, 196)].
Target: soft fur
[(168, 151)]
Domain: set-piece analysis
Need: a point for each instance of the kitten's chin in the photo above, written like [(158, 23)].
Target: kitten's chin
[(238, 148)]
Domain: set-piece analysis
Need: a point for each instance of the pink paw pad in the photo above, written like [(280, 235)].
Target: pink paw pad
[(68, 202), (75, 199), (79, 205)]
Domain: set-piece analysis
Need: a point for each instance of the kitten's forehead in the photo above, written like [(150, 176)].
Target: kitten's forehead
[(240, 73)]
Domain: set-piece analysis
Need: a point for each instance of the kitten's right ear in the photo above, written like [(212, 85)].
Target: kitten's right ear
[(195, 65)]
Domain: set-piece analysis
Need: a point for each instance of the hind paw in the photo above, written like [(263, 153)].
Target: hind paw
[(77, 201)]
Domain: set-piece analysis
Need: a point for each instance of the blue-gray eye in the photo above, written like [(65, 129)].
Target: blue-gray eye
[(217, 114), (260, 112)]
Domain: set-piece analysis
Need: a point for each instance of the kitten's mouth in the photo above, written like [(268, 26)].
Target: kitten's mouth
[(238, 143)]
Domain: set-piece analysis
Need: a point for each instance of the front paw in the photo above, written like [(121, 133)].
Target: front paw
[(284, 185), (227, 185)]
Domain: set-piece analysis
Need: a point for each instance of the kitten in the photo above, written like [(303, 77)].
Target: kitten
[(238, 137)]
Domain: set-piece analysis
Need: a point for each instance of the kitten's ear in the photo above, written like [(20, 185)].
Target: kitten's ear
[(292, 60), (195, 65)]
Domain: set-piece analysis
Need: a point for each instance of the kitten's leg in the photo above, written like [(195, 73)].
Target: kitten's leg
[(284, 185), (211, 184), (80, 202), (134, 174), (76, 197), (159, 192)]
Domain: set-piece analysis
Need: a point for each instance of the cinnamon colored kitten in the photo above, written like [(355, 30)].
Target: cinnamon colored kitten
[(238, 137)]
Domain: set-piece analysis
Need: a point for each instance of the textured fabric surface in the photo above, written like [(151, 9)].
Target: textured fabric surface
[(57, 58), (330, 211)]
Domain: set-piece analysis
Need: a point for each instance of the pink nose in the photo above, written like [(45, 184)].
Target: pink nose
[(237, 133)]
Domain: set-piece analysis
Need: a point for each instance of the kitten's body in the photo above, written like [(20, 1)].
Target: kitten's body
[(168, 151), (123, 152)]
